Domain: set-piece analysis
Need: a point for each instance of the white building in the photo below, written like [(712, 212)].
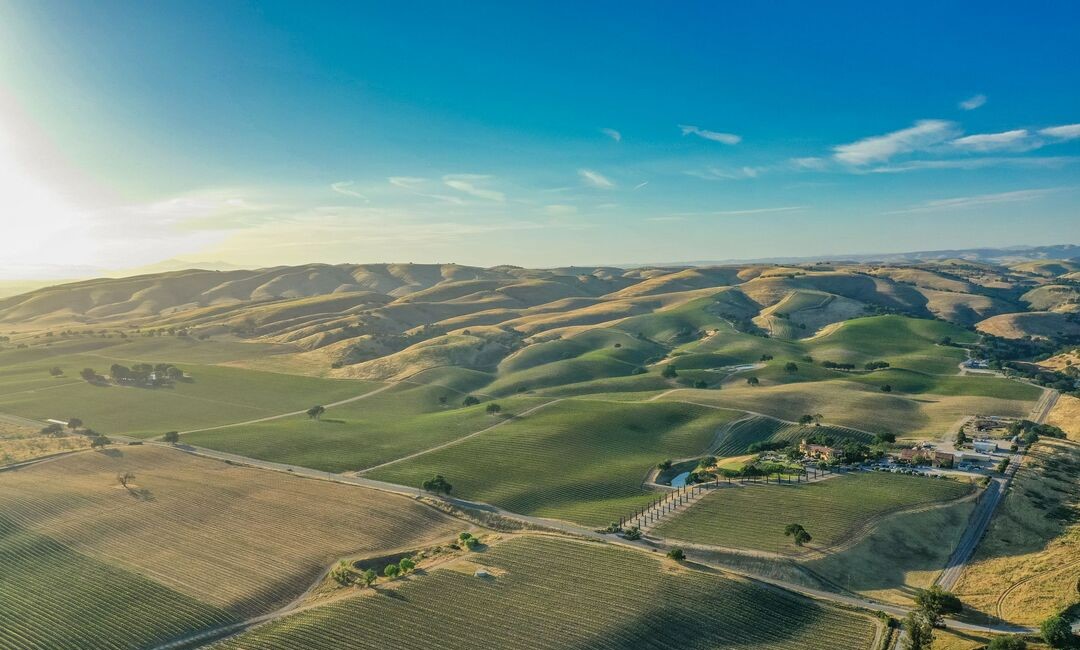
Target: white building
[(985, 446)]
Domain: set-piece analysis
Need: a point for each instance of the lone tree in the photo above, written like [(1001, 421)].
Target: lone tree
[(438, 485), (369, 577), (493, 409), (171, 437), (669, 372), (676, 554), (752, 381), (806, 419), (315, 412), (74, 423), (935, 602), (470, 401), (125, 478), (406, 564), (99, 441), (791, 367), (391, 571), (1056, 632), (798, 534), (920, 634), (56, 371)]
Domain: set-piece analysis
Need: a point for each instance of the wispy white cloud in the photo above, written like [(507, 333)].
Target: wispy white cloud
[(971, 103), (715, 136), (470, 184), (977, 163), (345, 187), (1015, 140), (407, 182), (978, 200), (596, 179), (1063, 132), (726, 174), (880, 148), (812, 163), (612, 133)]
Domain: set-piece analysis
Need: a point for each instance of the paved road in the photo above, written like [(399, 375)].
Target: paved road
[(988, 503)]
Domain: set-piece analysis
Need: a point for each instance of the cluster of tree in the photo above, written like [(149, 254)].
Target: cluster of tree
[(876, 365), (762, 446), (468, 540), (345, 575), (669, 372), (316, 412), (437, 485), (1030, 432), (931, 607), (816, 419), (832, 365), (403, 566), (145, 374)]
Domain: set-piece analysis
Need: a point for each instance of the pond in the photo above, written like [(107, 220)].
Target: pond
[(680, 480)]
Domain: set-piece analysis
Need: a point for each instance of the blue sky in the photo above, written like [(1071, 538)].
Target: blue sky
[(538, 134)]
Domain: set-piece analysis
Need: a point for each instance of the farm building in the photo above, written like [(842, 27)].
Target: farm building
[(823, 452), (985, 446), (942, 459)]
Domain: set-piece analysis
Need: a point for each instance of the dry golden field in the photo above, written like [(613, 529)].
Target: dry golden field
[(241, 539), (1027, 566)]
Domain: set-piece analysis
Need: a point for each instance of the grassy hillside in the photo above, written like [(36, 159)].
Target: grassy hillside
[(579, 460), (754, 516), (564, 594), (405, 419)]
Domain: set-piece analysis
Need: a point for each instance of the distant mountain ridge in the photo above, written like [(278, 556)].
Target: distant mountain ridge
[(1008, 255)]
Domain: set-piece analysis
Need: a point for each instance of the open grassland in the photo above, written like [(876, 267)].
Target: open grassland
[(215, 395), (394, 423), (855, 405), (901, 553), (734, 438), (754, 516), (1027, 565), (550, 593), (580, 460), (53, 597), (15, 448), (241, 540), (1066, 414)]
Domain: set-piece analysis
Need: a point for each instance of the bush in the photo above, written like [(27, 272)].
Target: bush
[(1008, 642), (1056, 632), (676, 554)]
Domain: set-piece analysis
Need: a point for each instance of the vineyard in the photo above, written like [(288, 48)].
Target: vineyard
[(242, 540), (579, 460), (735, 438), (755, 516), (548, 593), (54, 598)]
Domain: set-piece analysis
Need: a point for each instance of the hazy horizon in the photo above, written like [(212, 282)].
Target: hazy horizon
[(264, 135)]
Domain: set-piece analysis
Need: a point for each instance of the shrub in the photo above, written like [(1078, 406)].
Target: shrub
[(1056, 632), (1008, 642), (676, 554)]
